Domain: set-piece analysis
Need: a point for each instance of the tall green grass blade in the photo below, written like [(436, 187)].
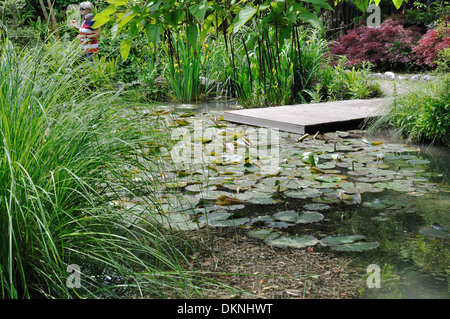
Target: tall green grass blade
[(62, 149)]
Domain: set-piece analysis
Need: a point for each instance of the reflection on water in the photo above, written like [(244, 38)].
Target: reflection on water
[(201, 107), (413, 264)]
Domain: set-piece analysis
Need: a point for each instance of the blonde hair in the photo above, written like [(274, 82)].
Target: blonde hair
[(87, 5)]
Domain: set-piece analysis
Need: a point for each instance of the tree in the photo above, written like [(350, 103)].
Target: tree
[(153, 18), (363, 4)]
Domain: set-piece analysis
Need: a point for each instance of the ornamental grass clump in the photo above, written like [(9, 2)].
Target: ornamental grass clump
[(420, 115), (61, 150)]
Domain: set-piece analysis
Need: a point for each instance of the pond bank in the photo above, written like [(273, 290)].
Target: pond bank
[(255, 270)]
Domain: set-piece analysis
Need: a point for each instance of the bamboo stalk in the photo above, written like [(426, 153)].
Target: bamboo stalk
[(52, 14), (249, 66), (44, 10), (262, 71)]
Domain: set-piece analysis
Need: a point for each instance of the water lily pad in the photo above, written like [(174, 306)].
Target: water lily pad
[(201, 210), (292, 184), (384, 204), (326, 186), (224, 200), (326, 166), (229, 222), (269, 189), (260, 220), (295, 194), (338, 240), (311, 193), (316, 206), (264, 234), (287, 216), (360, 246), (207, 218), (187, 114), (434, 231), (175, 184), (182, 202), (177, 221), (280, 224), (200, 187), (364, 187), (243, 196), (327, 199), (327, 179), (294, 241), (304, 183), (260, 199), (418, 161), (212, 194), (349, 243), (240, 185), (275, 181), (310, 217)]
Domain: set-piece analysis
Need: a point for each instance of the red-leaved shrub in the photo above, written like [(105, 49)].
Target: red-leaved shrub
[(388, 46), (432, 43)]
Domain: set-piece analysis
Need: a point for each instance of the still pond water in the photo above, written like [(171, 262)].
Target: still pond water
[(412, 233), (414, 254)]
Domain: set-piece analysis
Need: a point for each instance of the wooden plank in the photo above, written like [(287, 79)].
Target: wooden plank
[(303, 118)]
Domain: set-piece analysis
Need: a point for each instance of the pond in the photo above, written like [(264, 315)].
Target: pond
[(414, 252), (382, 203)]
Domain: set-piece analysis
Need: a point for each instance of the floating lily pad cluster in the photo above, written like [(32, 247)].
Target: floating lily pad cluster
[(219, 168)]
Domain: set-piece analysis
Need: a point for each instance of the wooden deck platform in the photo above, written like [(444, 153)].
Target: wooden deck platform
[(310, 118)]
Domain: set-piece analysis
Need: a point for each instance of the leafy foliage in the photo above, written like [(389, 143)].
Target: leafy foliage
[(58, 144), (363, 4), (422, 114), (389, 46), (432, 43), (443, 61), (340, 83)]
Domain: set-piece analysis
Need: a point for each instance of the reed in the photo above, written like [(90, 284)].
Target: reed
[(419, 115), (270, 68), (183, 60), (62, 150)]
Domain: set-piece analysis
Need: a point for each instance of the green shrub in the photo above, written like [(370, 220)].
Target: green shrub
[(342, 83), (443, 61), (422, 114)]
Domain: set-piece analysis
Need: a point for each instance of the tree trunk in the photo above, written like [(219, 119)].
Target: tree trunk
[(52, 14), (45, 12)]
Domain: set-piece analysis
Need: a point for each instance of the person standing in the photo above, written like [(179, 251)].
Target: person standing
[(88, 34)]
